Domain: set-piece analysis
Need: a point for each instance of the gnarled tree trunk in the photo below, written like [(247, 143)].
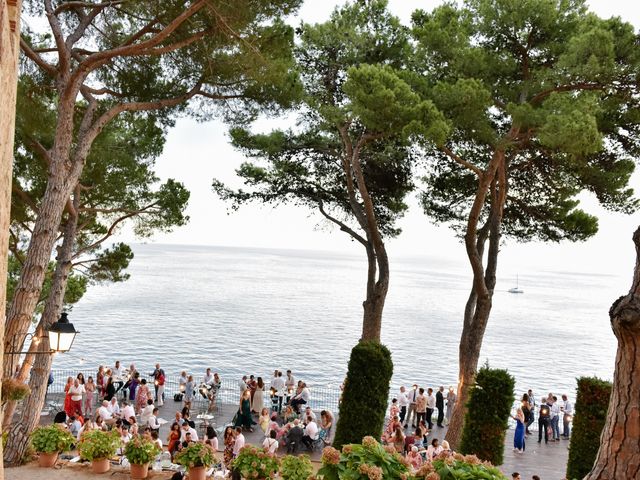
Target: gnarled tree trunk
[(619, 453), (478, 307)]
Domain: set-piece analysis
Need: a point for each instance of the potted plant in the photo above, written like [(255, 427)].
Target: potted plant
[(197, 457), (255, 463), (140, 452), (49, 441), (296, 468), (98, 447)]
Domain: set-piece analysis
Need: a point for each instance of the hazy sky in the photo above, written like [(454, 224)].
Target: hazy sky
[(198, 152)]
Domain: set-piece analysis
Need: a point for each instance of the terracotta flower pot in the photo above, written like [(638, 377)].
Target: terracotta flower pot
[(139, 472), (197, 473), (100, 465), (47, 460)]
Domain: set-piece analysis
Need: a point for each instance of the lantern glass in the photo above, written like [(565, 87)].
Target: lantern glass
[(61, 335)]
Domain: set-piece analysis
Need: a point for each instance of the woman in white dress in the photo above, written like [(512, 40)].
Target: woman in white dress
[(258, 396)]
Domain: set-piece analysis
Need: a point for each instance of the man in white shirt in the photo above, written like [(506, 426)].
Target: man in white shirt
[(309, 413), (113, 407), (300, 399), (186, 428), (208, 378), (431, 406), (403, 403), (411, 412), (127, 412), (279, 386), (76, 391), (74, 427), (146, 412), (105, 414), (290, 382), (567, 408), (117, 373), (555, 418), (310, 433), (239, 443), (243, 384), (153, 421)]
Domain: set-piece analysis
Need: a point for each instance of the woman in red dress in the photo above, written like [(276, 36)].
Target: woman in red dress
[(68, 404)]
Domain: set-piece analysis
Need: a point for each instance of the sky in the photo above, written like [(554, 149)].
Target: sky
[(196, 153)]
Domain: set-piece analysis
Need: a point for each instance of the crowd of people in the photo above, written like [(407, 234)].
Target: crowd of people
[(281, 412), (286, 421)]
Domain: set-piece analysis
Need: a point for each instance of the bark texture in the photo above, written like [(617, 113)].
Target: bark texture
[(619, 454), (23, 425), (492, 188), (9, 50)]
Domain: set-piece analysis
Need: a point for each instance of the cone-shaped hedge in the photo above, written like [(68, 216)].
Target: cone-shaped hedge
[(365, 395), (590, 416), (487, 418)]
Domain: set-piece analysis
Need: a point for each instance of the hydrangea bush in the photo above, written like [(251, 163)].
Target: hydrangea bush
[(255, 463), (457, 466), (368, 461)]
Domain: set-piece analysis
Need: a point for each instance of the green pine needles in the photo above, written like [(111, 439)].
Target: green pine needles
[(366, 392), (592, 404), (487, 418)]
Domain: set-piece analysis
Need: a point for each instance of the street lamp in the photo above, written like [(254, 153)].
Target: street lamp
[(61, 334)]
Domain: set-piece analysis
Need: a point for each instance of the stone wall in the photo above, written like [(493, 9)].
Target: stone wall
[(9, 45)]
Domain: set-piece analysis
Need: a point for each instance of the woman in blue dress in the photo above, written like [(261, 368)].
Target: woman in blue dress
[(519, 435)]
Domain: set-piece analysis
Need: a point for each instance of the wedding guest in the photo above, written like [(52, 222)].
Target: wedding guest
[(411, 412), (113, 407), (109, 389), (446, 449), (567, 409), (519, 435), (433, 450), (68, 407), (89, 398), (117, 372), (229, 440), (100, 381), (243, 418), (301, 398), (414, 458), (403, 403), (311, 433), (75, 392), (398, 440), (127, 413), (421, 406), (159, 383), (251, 384), (153, 421), (173, 439), (189, 392), (257, 402), (239, 440), (451, 403), (440, 406), (155, 374), (270, 444), (188, 429), (156, 439), (142, 395), (431, 406), (146, 413), (326, 424), (211, 438), (105, 415), (263, 420), (290, 381)]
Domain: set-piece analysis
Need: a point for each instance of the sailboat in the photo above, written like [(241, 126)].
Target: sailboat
[(516, 289)]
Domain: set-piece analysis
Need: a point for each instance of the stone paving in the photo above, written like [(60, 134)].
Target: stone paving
[(547, 461)]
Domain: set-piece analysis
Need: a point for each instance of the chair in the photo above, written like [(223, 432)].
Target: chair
[(293, 447)]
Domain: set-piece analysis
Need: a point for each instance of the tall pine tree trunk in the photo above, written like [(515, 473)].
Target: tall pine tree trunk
[(619, 454), (480, 302), (23, 425), (377, 288)]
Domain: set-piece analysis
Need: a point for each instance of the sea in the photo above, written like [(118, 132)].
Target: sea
[(250, 311)]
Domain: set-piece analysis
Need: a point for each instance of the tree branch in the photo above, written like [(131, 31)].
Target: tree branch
[(75, 5), (567, 88), (63, 52), (343, 226), (37, 59), (461, 161)]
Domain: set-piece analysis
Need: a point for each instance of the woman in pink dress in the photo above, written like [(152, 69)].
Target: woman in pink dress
[(90, 388), (142, 395)]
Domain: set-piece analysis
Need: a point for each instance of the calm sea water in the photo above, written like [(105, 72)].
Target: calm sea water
[(240, 310)]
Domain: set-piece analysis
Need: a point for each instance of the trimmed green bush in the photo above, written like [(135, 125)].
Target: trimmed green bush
[(487, 418), (296, 468), (366, 392), (457, 467), (589, 418)]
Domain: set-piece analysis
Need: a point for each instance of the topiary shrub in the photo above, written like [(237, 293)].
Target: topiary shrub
[(365, 395), (590, 415), (487, 417)]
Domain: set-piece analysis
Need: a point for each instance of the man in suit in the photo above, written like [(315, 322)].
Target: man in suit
[(411, 412), (294, 437), (440, 405)]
